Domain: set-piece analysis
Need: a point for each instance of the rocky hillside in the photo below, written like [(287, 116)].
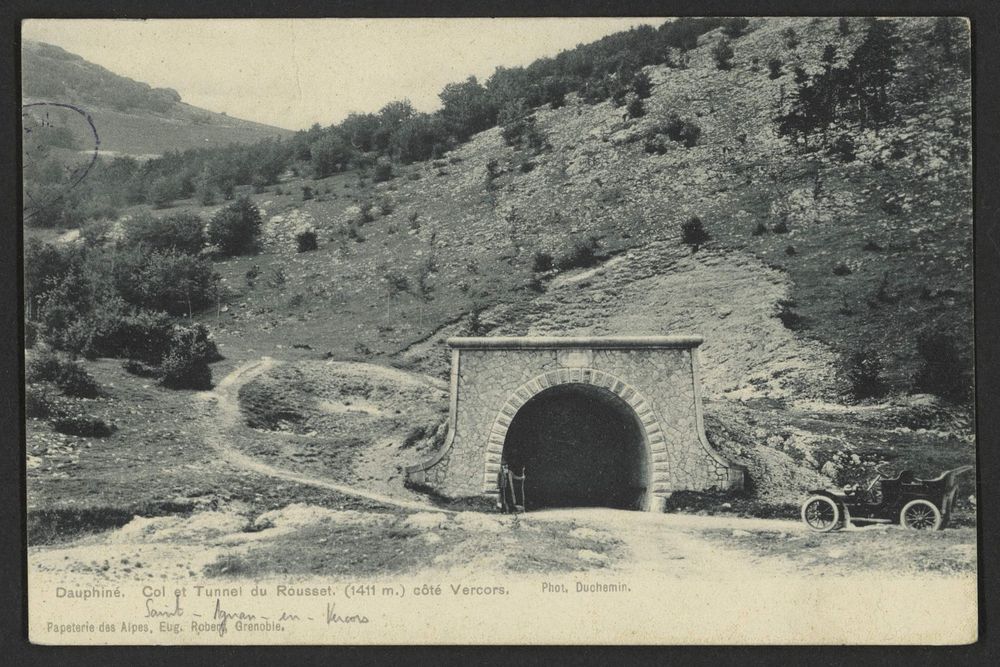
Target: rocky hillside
[(849, 254), (814, 254), (132, 118), (823, 258)]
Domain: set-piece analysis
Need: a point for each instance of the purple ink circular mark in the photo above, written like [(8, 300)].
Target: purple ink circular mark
[(83, 170)]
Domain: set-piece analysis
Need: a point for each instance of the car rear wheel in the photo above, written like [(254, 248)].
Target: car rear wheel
[(821, 514), (920, 515)]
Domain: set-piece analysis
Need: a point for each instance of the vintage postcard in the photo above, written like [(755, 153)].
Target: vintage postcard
[(499, 331)]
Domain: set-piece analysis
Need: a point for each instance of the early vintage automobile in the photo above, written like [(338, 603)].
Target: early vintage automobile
[(921, 504)]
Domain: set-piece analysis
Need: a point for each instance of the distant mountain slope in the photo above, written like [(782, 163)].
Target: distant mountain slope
[(131, 117)]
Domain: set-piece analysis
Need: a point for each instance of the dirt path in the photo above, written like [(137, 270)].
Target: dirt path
[(673, 545), (227, 415)]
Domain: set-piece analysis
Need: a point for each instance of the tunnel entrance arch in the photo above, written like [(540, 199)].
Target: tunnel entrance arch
[(646, 382), (579, 445)]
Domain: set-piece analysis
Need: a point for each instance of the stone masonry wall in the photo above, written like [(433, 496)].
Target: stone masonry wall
[(490, 384)]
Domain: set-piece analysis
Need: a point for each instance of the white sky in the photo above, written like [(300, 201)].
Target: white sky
[(294, 72)]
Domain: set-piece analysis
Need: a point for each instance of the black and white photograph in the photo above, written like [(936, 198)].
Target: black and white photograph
[(564, 330)]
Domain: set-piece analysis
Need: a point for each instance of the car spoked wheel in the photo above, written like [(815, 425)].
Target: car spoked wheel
[(920, 515), (821, 514)]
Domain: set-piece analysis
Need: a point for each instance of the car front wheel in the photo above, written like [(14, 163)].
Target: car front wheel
[(821, 514)]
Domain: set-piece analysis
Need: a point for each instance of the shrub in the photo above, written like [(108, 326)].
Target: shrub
[(863, 372), (427, 267), (173, 282), (251, 275), (642, 86), (386, 207), (790, 250), (186, 364), (396, 282), (235, 228), (365, 214), (383, 171), (722, 52), (871, 246), (541, 262), (634, 108), (735, 27), (693, 232), (942, 370), (892, 204), (181, 232), (44, 367), (760, 229), (682, 130), (582, 253), (790, 38), (306, 241), (787, 314), (141, 335), (84, 427), (163, 192), (655, 146), (66, 374), (843, 148), (276, 278), (307, 193), (206, 195), (75, 381), (780, 227), (841, 269), (519, 129), (37, 403), (354, 232), (774, 68), (843, 26)]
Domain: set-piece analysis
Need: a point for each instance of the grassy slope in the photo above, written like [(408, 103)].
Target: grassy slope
[(145, 133), (139, 131)]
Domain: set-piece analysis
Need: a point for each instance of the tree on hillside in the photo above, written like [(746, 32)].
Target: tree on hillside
[(182, 232), (331, 153), (722, 52), (390, 118), (177, 283), (420, 137), (735, 27), (642, 86), (871, 70), (555, 88), (467, 108), (45, 265), (235, 228), (360, 129), (950, 34), (511, 85), (856, 93)]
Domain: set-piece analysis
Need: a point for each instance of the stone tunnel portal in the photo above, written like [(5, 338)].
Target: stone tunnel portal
[(611, 421), (579, 445)]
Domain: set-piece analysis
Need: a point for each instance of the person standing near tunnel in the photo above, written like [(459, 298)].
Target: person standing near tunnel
[(506, 480)]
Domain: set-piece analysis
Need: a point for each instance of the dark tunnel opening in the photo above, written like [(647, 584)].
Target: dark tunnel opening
[(579, 445)]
